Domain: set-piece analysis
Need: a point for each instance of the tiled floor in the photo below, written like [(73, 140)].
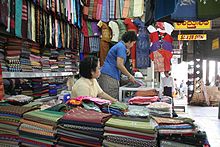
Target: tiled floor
[(207, 119)]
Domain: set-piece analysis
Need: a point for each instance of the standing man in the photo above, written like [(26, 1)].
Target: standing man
[(168, 89), (114, 64)]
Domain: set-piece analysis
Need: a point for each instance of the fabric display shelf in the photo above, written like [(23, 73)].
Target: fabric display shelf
[(39, 89)]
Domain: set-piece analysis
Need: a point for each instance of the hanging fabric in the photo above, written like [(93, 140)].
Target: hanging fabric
[(185, 10)]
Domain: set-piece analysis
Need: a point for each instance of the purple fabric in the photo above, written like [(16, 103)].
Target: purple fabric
[(95, 100), (95, 29), (165, 45)]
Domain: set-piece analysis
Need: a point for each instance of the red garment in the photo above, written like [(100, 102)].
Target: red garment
[(143, 100), (155, 37), (95, 5), (132, 27), (158, 61), (85, 28)]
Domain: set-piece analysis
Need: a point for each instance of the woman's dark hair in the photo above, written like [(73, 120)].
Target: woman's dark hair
[(87, 65), (129, 36)]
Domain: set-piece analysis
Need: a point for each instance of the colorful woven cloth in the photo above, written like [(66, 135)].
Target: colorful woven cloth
[(82, 115)]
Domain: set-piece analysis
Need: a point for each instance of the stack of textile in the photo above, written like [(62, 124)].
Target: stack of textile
[(25, 57), (45, 60), (35, 58), (81, 127), (122, 131), (139, 100), (179, 132), (1, 84), (161, 109), (13, 52), (61, 60), (2, 53), (19, 99), (37, 88), (9, 122), (45, 88), (116, 108), (26, 88), (39, 128), (135, 111), (53, 60), (71, 60)]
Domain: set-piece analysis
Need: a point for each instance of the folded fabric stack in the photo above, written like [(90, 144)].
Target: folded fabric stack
[(52, 89), (137, 112), (53, 60), (38, 128), (139, 100), (27, 88), (37, 87), (61, 60), (9, 122), (35, 58), (71, 60), (25, 57), (179, 132), (116, 108), (122, 131), (161, 109), (13, 52), (1, 84), (19, 99), (45, 60), (81, 127), (45, 87), (2, 53)]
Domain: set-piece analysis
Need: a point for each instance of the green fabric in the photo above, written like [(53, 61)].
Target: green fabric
[(208, 9), (122, 28), (18, 17), (91, 106), (8, 118), (131, 9), (59, 108), (34, 104), (89, 25), (8, 127), (139, 126), (119, 105), (51, 116)]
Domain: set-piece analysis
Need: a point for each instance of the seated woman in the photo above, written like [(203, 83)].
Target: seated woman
[(87, 85)]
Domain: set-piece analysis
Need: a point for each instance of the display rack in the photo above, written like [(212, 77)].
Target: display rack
[(35, 74)]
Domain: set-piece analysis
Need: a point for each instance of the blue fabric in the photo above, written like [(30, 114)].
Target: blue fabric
[(142, 45), (113, 111), (185, 11), (18, 17), (110, 64), (164, 8)]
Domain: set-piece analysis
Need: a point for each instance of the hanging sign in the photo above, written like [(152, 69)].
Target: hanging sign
[(192, 37), (215, 44), (193, 25)]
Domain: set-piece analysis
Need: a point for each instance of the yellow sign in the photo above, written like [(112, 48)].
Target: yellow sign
[(193, 25), (192, 37), (215, 44)]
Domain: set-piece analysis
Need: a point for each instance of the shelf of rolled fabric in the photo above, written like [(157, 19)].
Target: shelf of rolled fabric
[(35, 74)]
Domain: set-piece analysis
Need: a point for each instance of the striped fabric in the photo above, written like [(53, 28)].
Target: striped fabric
[(112, 9), (125, 8), (94, 43)]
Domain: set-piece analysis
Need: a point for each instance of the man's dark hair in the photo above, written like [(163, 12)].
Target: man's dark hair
[(129, 36), (87, 65)]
